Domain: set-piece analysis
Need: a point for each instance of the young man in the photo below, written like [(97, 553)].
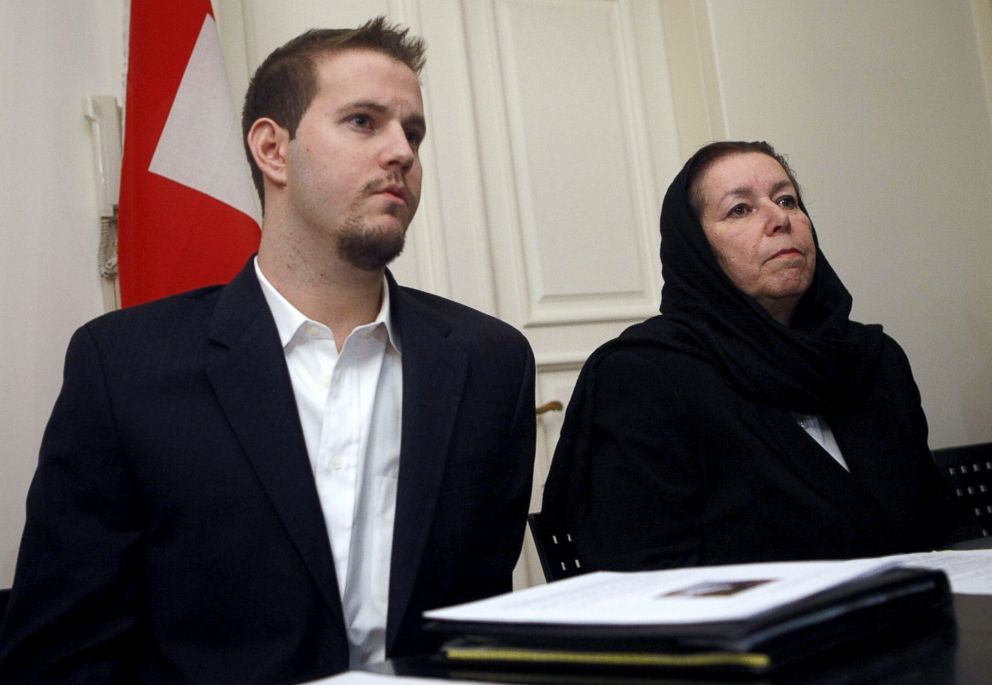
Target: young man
[(270, 481)]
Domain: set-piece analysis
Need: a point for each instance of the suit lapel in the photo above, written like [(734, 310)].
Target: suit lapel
[(815, 467), (254, 391), (434, 372)]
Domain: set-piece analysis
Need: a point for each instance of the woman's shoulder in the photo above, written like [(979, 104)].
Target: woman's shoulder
[(892, 375), (653, 353), (890, 357), (656, 342)]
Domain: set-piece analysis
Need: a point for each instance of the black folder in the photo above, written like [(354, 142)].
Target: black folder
[(769, 641)]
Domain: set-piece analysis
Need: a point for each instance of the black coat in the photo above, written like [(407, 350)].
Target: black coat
[(173, 527), (668, 466)]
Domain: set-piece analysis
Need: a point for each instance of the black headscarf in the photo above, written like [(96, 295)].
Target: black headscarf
[(818, 362), (812, 366)]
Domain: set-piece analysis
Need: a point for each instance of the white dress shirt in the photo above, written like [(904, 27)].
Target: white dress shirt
[(819, 430), (350, 404)]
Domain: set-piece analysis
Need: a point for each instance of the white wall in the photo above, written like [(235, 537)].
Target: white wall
[(881, 108), (55, 52), (880, 105)]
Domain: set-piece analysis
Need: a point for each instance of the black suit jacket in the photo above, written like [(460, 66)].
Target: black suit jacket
[(173, 527)]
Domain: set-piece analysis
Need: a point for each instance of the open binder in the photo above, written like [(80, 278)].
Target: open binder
[(763, 641)]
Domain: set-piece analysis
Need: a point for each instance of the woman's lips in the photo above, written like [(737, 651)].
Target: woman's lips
[(789, 251)]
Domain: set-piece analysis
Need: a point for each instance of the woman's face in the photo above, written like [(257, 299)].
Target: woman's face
[(763, 241)]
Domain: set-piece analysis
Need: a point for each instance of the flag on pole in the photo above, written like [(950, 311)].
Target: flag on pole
[(188, 213)]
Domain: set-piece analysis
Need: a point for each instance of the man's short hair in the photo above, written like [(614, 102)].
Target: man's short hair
[(285, 84)]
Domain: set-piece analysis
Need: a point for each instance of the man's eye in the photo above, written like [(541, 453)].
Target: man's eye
[(361, 120), (414, 138)]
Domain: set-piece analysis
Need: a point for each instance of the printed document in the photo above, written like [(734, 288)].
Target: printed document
[(970, 572), (359, 678), (675, 596)]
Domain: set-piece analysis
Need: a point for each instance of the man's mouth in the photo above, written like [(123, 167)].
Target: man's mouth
[(395, 192)]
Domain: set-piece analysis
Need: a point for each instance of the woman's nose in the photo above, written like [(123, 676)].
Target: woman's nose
[(777, 218)]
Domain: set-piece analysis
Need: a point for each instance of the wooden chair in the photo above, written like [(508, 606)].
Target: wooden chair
[(556, 550), (969, 470)]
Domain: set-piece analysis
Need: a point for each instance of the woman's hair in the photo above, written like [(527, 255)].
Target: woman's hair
[(707, 155)]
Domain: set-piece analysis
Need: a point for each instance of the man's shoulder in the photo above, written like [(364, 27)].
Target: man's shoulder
[(463, 322), (166, 316)]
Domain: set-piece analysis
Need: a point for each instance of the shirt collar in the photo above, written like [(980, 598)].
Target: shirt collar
[(289, 319)]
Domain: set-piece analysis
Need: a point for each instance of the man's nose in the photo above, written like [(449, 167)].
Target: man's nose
[(397, 149)]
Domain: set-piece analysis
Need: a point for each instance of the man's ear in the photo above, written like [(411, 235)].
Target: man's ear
[(268, 141)]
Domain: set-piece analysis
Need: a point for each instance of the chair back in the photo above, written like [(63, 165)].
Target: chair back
[(4, 598), (555, 548), (969, 470)]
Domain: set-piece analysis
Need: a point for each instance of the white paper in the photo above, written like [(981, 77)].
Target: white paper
[(970, 572), (360, 678), (677, 596)]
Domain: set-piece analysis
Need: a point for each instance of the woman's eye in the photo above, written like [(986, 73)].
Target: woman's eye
[(788, 202), (738, 210)]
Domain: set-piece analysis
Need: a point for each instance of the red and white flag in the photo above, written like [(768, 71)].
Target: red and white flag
[(188, 212)]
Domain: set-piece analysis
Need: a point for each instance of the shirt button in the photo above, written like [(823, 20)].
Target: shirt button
[(313, 331), (337, 464)]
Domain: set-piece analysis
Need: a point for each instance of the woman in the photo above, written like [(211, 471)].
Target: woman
[(752, 421)]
